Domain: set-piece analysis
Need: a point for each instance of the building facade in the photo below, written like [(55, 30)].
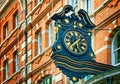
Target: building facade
[(27, 35), (26, 38), (107, 40)]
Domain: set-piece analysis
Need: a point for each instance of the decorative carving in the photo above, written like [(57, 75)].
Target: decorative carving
[(113, 3), (72, 51)]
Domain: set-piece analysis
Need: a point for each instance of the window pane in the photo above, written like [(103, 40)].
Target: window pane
[(16, 20), (39, 43), (116, 48), (118, 41), (50, 34), (6, 31), (16, 61), (88, 6), (47, 80), (117, 56), (6, 69), (74, 3)]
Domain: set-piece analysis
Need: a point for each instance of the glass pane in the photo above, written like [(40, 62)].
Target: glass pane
[(118, 41), (117, 56), (47, 80)]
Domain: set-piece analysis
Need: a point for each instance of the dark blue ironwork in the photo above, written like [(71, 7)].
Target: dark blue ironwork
[(72, 64)]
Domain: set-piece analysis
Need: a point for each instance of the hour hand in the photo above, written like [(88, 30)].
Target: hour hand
[(74, 43)]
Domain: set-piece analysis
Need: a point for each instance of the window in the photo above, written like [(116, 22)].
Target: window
[(71, 82), (16, 57), (88, 77), (5, 31), (16, 21), (39, 43), (116, 49), (73, 3), (6, 69), (51, 39), (47, 80), (88, 6)]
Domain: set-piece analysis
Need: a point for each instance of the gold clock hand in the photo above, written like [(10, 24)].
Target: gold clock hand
[(74, 43)]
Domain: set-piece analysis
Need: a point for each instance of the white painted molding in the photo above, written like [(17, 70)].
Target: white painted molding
[(102, 48)]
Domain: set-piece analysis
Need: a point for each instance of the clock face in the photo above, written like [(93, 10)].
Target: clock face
[(75, 42)]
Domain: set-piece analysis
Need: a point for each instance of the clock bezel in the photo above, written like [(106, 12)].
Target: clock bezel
[(70, 51)]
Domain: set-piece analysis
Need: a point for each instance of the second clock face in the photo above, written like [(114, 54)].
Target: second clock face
[(75, 42)]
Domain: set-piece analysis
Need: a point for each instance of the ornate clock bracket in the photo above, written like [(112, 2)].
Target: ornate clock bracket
[(72, 51)]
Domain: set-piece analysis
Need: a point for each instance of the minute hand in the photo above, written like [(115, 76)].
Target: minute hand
[(75, 43)]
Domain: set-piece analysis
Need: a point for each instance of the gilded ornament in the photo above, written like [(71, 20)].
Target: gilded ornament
[(56, 29), (80, 25), (66, 21), (74, 78)]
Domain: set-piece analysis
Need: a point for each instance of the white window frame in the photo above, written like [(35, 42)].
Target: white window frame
[(16, 20), (51, 35), (114, 61), (45, 81), (6, 69), (6, 30), (16, 61), (73, 3), (88, 6), (39, 43)]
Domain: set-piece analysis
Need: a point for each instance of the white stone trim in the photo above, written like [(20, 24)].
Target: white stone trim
[(29, 81), (34, 40), (23, 57), (3, 5), (29, 39), (107, 39), (103, 48), (29, 52), (23, 44), (101, 7), (58, 77), (2, 68), (10, 61), (45, 31)]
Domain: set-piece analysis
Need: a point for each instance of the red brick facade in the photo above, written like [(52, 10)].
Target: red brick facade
[(35, 67)]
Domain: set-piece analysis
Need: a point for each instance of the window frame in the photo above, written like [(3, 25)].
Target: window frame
[(6, 31), (73, 3), (87, 5), (115, 49), (51, 35), (16, 58), (45, 80), (15, 20), (6, 66), (39, 43)]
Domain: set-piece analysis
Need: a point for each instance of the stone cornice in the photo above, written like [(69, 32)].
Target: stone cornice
[(107, 21), (5, 7), (44, 12), (105, 3), (10, 45)]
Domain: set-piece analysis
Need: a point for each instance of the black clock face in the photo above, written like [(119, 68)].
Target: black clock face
[(75, 42)]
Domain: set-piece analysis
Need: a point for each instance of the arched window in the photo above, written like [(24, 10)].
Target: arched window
[(46, 80), (116, 49)]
